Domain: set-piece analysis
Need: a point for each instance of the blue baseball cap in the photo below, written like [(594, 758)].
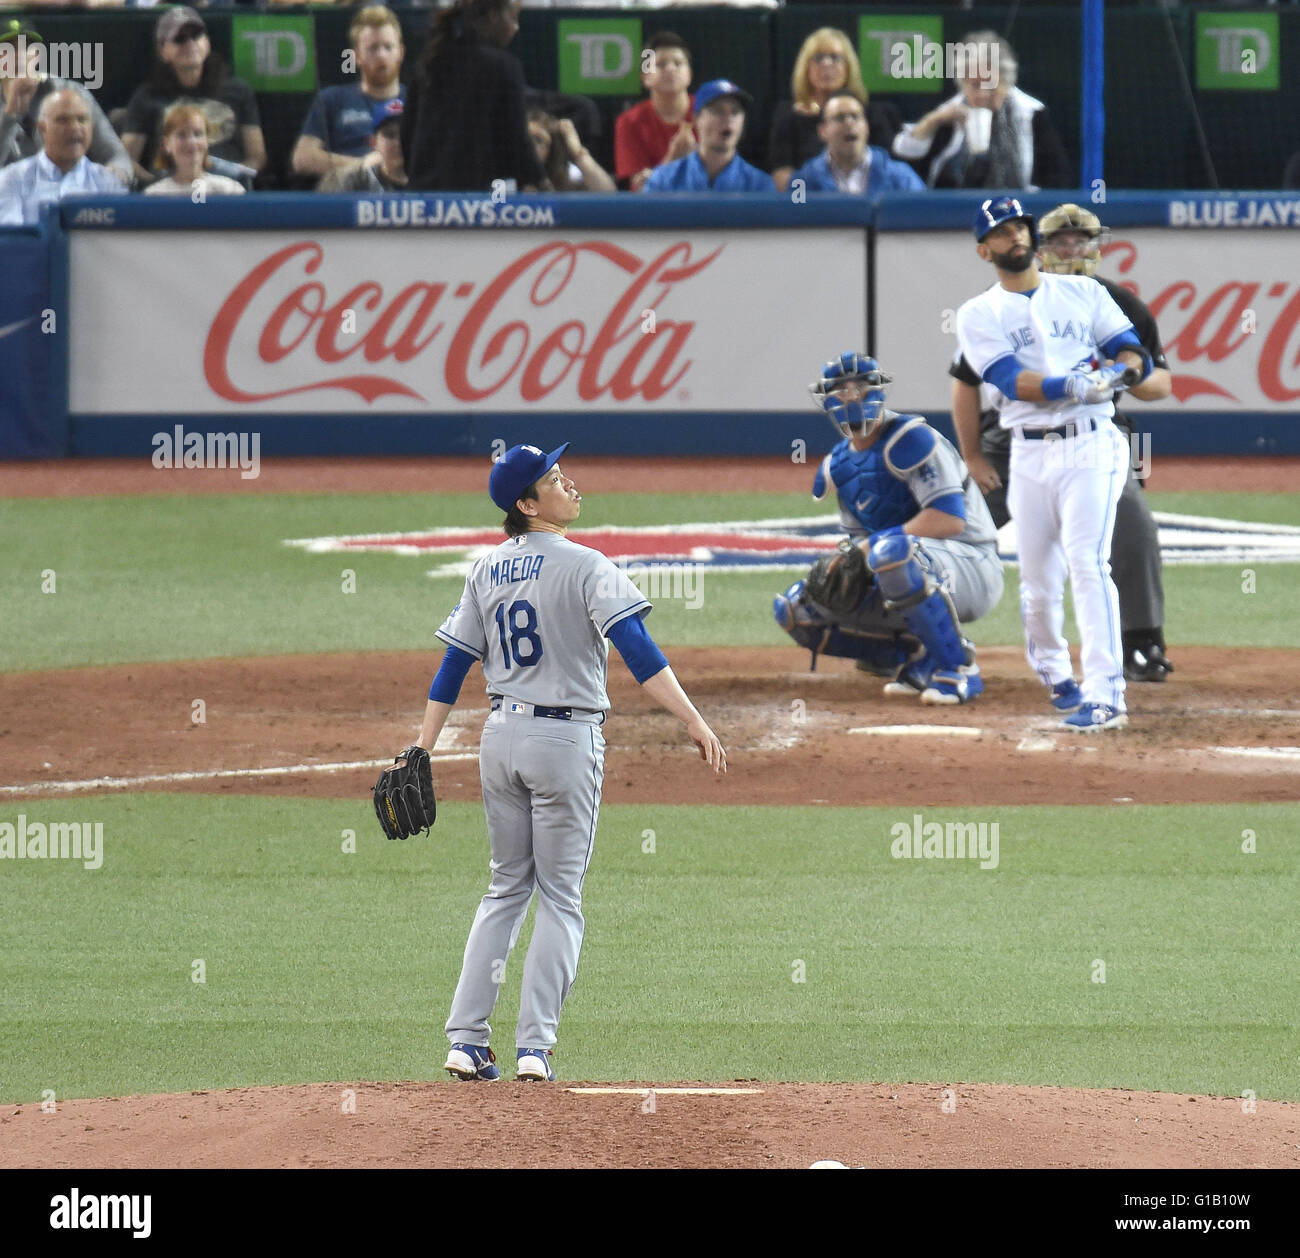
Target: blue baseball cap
[(716, 89), (998, 210), (516, 469), (389, 111)]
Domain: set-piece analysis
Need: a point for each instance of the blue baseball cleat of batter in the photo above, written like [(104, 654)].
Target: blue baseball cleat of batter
[(472, 1061), (1066, 695), (1096, 716), (533, 1065)]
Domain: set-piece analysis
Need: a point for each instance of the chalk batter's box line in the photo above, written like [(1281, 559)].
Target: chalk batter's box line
[(154, 779)]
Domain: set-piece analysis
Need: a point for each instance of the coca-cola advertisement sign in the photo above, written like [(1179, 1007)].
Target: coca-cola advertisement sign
[(345, 322), (1227, 306)]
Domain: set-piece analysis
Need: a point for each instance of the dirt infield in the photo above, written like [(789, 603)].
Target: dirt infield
[(1225, 727), (788, 732), (763, 1125)]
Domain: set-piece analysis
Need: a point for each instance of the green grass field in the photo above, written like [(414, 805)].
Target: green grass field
[(751, 943), (321, 964), (188, 578)]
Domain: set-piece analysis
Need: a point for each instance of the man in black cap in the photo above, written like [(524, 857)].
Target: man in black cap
[(185, 66)]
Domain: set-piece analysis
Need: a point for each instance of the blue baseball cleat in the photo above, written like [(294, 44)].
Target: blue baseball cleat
[(472, 1061), (1066, 695), (1091, 716), (953, 685), (534, 1065)]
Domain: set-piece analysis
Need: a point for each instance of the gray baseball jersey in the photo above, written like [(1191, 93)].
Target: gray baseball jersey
[(537, 612)]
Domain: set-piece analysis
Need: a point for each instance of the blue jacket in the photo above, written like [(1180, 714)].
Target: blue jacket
[(885, 174), (687, 174)]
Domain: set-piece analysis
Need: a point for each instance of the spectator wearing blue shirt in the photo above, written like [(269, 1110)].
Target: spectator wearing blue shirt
[(848, 163), (61, 169), (336, 134), (715, 165)]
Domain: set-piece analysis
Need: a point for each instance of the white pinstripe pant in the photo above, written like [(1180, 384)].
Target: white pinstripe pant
[(1062, 496)]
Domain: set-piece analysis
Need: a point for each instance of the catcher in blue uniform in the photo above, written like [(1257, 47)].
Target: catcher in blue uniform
[(920, 559)]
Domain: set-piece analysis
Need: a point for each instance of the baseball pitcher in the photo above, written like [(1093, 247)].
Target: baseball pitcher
[(536, 613)]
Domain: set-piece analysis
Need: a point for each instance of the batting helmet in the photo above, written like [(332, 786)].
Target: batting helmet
[(851, 416), (1000, 210), (1069, 217)]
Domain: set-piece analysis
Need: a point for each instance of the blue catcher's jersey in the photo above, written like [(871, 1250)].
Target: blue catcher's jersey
[(910, 466)]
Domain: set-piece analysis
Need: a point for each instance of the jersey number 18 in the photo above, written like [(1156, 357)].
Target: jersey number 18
[(521, 623)]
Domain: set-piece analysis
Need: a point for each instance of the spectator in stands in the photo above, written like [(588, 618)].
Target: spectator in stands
[(337, 134), (386, 175), (465, 126), (990, 134), (21, 97), (62, 168), (185, 150), (715, 166), (848, 163), (185, 67), (568, 165), (827, 65), (658, 130)]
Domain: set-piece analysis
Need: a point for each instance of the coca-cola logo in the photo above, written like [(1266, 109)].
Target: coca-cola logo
[(1239, 316), (507, 333)]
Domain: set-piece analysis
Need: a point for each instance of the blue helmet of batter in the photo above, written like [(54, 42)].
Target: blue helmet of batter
[(999, 210), (851, 391)]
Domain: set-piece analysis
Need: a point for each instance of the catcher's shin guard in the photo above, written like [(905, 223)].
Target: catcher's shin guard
[(809, 628), (905, 575)]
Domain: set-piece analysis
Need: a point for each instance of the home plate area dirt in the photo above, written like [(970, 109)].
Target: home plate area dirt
[(1224, 727)]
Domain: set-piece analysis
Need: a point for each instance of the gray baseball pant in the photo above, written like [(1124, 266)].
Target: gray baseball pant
[(541, 792)]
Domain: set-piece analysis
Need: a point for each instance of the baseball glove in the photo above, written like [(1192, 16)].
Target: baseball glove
[(404, 799), (840, 582)]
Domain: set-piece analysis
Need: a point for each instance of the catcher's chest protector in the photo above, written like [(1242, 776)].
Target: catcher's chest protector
[(868, 490)]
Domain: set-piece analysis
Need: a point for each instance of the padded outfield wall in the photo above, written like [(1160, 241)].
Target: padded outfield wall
[(678, 325)]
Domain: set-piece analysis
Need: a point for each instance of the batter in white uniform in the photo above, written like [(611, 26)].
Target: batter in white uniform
[(1058, 347), (536, 612)]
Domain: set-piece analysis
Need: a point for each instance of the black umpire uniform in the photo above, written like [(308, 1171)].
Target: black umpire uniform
[(1135, 547)]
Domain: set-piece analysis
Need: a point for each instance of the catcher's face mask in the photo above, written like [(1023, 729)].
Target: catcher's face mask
[(1072, 252), (852, 394)]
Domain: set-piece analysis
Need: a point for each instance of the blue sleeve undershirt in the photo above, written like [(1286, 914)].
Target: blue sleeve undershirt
[(451, 675), (643, 658), (1002, 375)]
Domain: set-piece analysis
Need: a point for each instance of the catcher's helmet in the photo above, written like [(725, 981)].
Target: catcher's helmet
[(1069, 217), (998, 210), (851, 417)]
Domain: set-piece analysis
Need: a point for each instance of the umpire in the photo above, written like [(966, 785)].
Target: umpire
[(1071, 239)]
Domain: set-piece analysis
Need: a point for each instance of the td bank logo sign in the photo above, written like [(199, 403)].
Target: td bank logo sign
[(275, 54), (1237, 51), (600, 56)]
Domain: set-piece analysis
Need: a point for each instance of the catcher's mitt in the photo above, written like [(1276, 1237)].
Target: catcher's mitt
[(404, 799), (840, 582)]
